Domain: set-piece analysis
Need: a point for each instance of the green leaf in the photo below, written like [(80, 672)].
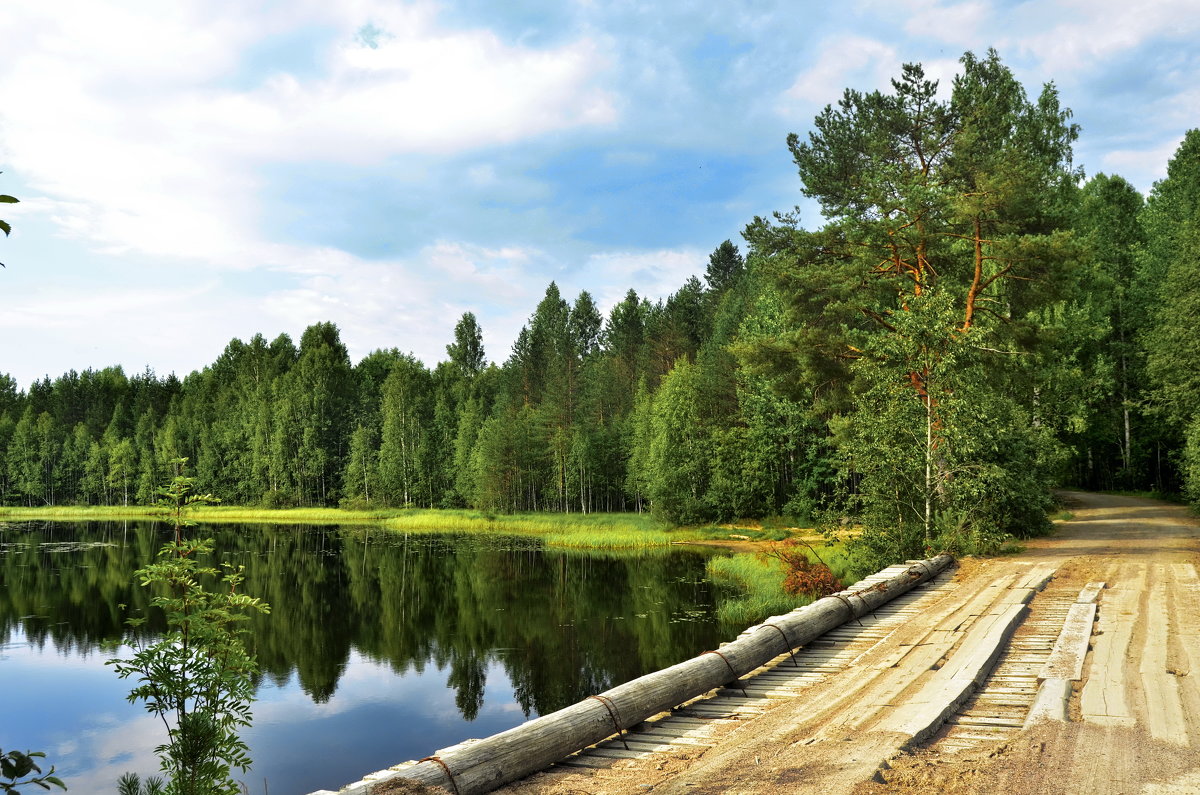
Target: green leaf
[(6, 199), (5, 226)]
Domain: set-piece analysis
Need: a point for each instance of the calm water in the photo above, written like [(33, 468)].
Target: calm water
[(378, 647)]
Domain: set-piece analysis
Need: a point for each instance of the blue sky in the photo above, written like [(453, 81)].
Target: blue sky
[(198, 170)]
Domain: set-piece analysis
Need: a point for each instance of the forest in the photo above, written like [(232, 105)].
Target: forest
[(973, 323)]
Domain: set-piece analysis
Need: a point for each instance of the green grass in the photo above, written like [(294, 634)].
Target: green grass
[(581, 531), (754, 583), (203, 513), (574, 531), (743, 533), (839, 561), (612, 531)]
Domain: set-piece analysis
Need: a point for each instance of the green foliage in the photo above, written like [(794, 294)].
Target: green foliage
[(595, 531), (198, 677), (725, 267), (1190, 461), (968, 326), (754, 589), (131, 784), (4, 225), (678, 455), (466, 352), (1172, 336), (22, 770), (756, 584), (911, 310)]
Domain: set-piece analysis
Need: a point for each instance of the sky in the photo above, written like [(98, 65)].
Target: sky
[(198, 170)]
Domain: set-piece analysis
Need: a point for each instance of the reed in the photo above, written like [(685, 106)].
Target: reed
[(753, 586), (580, 531), (573, 531), (753, 583), (207, 513)]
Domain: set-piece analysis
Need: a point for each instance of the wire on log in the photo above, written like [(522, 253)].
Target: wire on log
[(445, 767), (786, 642), (730, 667), (615, 714)]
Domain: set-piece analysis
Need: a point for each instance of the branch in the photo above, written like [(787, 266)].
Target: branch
[(878, 318), (997, 350)]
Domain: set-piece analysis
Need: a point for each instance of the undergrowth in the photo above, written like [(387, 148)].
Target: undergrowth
[(756, 585)]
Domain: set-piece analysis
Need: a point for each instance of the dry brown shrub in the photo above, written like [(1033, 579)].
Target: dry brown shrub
[(803, 575)]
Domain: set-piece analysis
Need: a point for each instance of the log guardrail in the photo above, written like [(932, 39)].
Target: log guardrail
[(480, 766)]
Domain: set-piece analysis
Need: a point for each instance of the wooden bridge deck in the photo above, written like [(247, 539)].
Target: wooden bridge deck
[(700, 723), (998, 678)]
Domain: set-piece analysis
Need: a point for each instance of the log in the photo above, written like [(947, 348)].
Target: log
[(483, 765)]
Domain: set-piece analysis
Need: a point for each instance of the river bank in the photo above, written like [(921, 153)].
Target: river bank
[(585, 531)]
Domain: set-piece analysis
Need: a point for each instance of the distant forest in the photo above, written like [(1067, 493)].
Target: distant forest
[(973, 323)]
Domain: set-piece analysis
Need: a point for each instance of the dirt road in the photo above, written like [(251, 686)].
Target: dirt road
[(849, 727)]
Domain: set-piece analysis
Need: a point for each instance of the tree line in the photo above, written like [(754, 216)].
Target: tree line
[(972, 323)]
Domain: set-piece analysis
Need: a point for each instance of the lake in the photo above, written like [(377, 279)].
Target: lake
[(379, 647)]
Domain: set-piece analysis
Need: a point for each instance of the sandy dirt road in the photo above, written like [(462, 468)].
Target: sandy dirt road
[(1134, 718)]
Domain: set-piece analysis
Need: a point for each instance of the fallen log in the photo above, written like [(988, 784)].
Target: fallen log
[(483, 765)]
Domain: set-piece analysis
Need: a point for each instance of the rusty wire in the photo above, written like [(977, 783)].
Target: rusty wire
[(445, 767), (615, 715)]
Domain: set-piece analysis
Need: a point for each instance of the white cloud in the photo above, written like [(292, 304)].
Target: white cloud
[(654, 274), (128, 117), (181, 322), (954, 23), (482, 176), (405, 303), (1141, 166), (1073, 36), (842, 61), (849, 61)]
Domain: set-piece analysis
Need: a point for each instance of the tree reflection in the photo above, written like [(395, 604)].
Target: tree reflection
[(561, 625)]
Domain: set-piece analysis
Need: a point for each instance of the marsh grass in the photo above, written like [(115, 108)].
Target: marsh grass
[(81, 513), (753, 583), (753, 586), (208, 513), (839, 559), (621, 531), (580, 531)]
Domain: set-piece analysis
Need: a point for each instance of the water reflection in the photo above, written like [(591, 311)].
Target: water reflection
[(382, 618)]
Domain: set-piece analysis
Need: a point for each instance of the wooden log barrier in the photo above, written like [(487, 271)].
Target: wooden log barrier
[(483, 765)]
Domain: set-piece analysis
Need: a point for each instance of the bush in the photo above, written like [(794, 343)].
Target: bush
[(804, 577)]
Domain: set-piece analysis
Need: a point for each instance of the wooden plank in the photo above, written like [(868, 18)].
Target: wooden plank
[(667, 744), (1038, 576), (1066, 658), (951, 684), (609, 752), (1164, 707), (1104, 698), (980, 734), (996, 711), (960, 619), (1051, 702), (591, 762), (965, 723)]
